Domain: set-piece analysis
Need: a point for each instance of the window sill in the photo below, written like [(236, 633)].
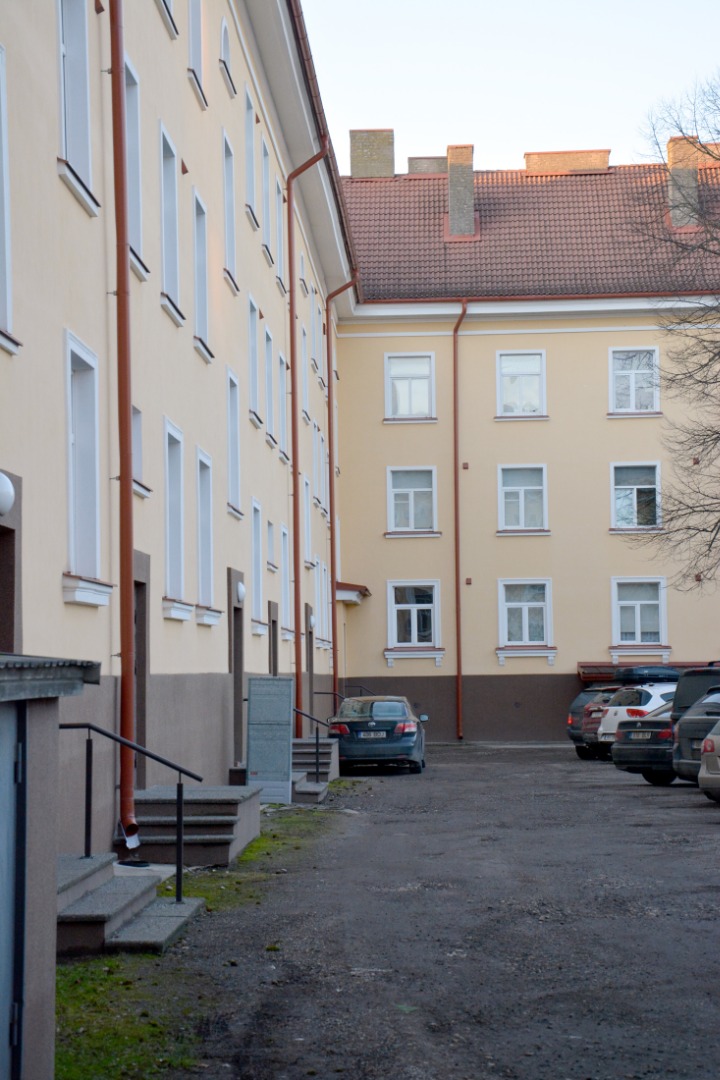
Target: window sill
[(303, 285), (141, 490), (523, 416), (284, 457), (523, 532), (281, 285), (410, 420), (255, 420), (9, 344), (306, 416), (310, 564), (251, 217), (232, 283), (414, 652), (271, 440), (202, 350), (176, 609), (171, 309), (259, 629), (167, 18), (227, 79), (634, 530), (138, 267), (629, 415), (235, 511), (197, 88), (408, 534), (272, 567), (503, 652), (207, 616), (287, 635), (619, 652), (268, 255), (78, 188), (86, 591)]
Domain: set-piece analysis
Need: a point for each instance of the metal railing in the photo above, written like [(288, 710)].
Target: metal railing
[(316, 721), (179, 811)]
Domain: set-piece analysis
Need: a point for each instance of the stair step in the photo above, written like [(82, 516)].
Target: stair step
[(156, 927), (309, 792), (86, 924), (198, 801), (77, 875)]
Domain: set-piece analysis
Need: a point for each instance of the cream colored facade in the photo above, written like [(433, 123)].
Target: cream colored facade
[(217, 118)]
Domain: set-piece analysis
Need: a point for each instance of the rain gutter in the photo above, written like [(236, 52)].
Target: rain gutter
[(456, 513)]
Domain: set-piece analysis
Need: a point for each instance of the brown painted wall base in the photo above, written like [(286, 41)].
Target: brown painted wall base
[(495, 707)]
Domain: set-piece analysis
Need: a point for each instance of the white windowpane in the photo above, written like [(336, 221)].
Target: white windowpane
[(520, 384), (512, 510), (533, 509), (514, 625), (402, 510), (635, 380), (409, 390)]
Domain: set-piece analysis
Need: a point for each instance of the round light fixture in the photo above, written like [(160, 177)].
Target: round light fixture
[(7, 494)]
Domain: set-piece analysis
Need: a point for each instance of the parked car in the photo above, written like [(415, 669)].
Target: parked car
[(592, 715), (691, 685), (631, 703), (690, 731), (644, 745), (584, 714), (379, 731), (709, 775), (575, 717)]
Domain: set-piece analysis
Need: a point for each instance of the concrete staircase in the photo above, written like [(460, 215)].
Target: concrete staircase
[(102, 909), (305, 788)]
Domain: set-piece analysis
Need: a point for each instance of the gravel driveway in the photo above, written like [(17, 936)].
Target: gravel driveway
[(511, 912)]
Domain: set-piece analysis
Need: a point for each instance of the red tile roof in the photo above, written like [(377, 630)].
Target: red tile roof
[(603, 233)]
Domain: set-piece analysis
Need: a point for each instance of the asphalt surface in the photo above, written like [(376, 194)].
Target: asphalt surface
[(511, 912)]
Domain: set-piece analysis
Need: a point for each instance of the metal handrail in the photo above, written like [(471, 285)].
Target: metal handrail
[(365, 689), (179, 811), (325, 723)]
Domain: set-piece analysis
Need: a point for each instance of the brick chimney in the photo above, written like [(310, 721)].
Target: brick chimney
[(550, 161), (683, 159), (372, 153), (461, 191), (427, 165)]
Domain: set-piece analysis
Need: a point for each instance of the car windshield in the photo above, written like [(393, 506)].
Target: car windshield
[(361, 708)]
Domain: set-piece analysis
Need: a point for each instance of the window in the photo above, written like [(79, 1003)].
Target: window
[(269, 388), (174, 513), (253, 360), (411, 500), (525, 613), (6, 341), (409, 387), (75, 91), (266, 223), (205, 530), (522, 497), (250, 161), (271, 564), (233, 428), (307, 503), (279, 231), (412, 613), (521, 384), (225, 59), (313, 330), (316, 462), (286, 619), (634, 381), (638, 611), (229, 191), (201, 280), (282, 406), (195, 65), (319, 337), (137, 445), (165, 8), (134, 174), (170, 238), (305, 376), (83, 453), (257, 563), (324, 604), (635, 496)]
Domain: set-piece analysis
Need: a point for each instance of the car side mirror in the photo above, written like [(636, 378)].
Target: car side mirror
[(423, 718)]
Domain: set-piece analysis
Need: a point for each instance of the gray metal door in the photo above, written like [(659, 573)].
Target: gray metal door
[(8, 743)]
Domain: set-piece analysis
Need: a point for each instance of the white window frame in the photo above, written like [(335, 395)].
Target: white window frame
[(137, 454), (254, 362), (503, 607), (250, 207), (280, 233), (7, 341), (316, 462), (632, 410), (170, 297), (229, 212), (503, 526), (324, 603), (283, 406), (174, 605), (313, 329), (307, 521), (256, 596), (195, 50), (75, 142), (133, 169), (413, 646), (234, 458), (269, 389), (83, 459), (662, 603), (202, 315), (225, 59), (204, 529), (271, 563), (305, 375), (165, 7), (266, 223), (286, 609), (635, 527), (389, 379), (410, 530), (541, 412)]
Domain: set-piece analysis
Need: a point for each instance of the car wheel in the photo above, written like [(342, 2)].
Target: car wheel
[(713, 796), (585, 753), (416, 766), (658, 778)]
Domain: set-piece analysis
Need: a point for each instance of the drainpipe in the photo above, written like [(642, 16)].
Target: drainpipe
[(456, 509), (294, 423), (331, 492), (127, 586)]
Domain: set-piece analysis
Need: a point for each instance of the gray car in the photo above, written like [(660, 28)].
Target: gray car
[(379, 731)]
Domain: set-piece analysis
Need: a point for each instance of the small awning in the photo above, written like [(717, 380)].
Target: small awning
[(346, 593)]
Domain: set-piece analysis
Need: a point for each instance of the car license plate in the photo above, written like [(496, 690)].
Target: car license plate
[(696, 744), (371, 734), (639, 734), (607, 738)]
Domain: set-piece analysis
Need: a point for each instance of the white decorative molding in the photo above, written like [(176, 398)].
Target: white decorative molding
[(141, 490), (168, 305), (87, 591), (138, 267), (82, 193), (618, 652), (207, 616), (259, 629), (202, 350), (414, 653), (177, 609), (519, 652)]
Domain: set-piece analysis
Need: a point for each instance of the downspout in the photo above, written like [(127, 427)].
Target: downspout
[(294, 424), (127, 586), (331, 483), (456, 510)]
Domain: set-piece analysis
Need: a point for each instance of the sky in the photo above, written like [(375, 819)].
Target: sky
[(508, 77)]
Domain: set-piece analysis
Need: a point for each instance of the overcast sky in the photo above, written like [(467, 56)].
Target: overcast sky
[(508, 77)]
